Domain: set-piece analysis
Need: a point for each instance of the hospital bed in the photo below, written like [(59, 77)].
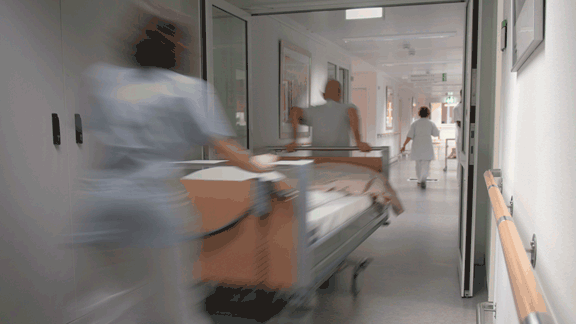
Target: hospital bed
[(273, 232)]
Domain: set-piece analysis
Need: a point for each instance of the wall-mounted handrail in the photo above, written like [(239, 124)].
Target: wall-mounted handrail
[(530, 304)]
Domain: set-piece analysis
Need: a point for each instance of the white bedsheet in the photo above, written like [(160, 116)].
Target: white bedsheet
[(327, 211)]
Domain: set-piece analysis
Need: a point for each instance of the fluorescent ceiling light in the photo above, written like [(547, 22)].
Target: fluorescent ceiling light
[(387, 38), (365, 13), (424, 62)]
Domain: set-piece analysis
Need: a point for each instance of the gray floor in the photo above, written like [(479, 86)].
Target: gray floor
[(414, 276)]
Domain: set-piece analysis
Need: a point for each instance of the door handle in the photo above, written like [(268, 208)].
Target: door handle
[(55, 129), (78, 123)]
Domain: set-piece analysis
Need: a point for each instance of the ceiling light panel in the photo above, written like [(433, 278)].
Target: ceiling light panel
[(420, 63), (388, 38), (365, 13)]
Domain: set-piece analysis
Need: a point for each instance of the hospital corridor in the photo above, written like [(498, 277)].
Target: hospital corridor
[(287, 161)]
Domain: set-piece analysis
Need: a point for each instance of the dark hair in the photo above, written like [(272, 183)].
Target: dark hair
[(424, 112), (155, 51), (151, 32)]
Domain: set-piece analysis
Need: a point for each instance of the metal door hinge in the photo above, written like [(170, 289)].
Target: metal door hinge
[(511, 206), (484, 307), (532, 251)]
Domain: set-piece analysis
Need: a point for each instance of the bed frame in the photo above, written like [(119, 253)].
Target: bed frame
[(267, 246)]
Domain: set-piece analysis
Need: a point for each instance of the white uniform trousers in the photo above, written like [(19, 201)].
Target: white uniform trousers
[(422, 169)]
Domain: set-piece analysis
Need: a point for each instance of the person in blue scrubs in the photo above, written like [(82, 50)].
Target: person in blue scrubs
[(141, 118)]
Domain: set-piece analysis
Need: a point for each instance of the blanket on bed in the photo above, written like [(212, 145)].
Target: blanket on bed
[(355, 180)]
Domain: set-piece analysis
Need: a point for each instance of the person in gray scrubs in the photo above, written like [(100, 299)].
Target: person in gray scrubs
[(331, 123), (141, 118)]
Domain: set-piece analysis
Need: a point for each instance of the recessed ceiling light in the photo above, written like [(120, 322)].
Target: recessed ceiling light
[(387, 38), (365, 13)]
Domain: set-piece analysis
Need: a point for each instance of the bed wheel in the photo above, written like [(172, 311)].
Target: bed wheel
[(326, 284), (358, 276)]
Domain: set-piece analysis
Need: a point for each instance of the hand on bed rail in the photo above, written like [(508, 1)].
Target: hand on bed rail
[(291, 147), (364, 147)]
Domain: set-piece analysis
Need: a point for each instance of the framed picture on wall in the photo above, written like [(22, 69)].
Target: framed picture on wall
[(294, 86), (527, 30), (389, 108)]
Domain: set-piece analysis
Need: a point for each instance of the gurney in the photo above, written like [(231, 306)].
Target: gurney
[(290, 230)]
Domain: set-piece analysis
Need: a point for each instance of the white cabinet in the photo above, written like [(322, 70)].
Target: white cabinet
[(36, 272), (45, 46)]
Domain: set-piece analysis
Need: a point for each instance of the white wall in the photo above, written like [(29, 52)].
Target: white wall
[(538, 152), (265, 58)]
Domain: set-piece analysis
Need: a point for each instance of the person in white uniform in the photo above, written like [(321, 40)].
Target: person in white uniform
[(331, 123), (458, 114), (144, 117), (421, 131)]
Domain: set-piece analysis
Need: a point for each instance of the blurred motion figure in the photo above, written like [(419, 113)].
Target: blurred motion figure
[(144, 117)]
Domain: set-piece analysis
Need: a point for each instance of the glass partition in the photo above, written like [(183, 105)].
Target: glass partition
[(230, 69)]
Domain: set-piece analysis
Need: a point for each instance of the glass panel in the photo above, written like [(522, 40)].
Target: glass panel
[(460, 211), (344, 81), (464, 128), (230, 69), (332, 71)]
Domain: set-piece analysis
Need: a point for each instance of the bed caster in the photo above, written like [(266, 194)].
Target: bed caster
[(326, 284), (358, 276)]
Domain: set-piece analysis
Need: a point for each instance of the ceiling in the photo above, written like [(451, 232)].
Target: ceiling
[(408, 21), (411, 53), (267, 7)]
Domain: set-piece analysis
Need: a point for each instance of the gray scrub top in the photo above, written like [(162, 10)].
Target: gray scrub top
[(330, 126), (142, 119)]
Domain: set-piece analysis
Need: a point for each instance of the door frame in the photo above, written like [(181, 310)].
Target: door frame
[(467, 218), (208, 58)]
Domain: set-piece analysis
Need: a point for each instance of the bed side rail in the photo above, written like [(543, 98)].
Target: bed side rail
[(385, 151)]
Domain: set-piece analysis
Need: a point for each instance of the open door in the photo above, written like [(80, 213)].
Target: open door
[(466, 161), (226, 32)]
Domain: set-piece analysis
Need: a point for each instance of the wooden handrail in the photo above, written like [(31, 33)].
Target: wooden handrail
[(528, 300)]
